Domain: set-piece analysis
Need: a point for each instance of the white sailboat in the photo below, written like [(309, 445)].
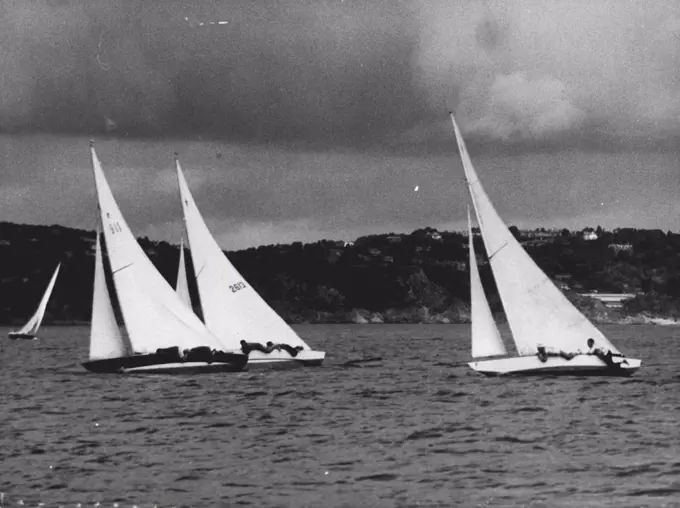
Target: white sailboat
[(164, 335), (538, 313), (231, 308), (30, 329), (182, 285)]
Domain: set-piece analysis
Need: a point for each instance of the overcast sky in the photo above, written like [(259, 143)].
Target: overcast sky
[(302, 120)]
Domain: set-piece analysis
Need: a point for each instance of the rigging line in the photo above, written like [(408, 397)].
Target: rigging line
[(498, 250), (122, 268), (199, 272)]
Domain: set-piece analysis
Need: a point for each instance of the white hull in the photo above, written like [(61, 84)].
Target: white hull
[(581, 365), (179, 368), (257, 360)]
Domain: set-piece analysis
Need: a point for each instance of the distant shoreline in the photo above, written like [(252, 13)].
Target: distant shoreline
[(376, 319), (415, 278)]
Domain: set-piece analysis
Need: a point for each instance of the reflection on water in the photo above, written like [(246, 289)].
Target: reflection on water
[(412, 426)]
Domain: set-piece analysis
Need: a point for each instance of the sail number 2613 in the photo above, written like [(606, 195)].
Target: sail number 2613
[(237, 287)]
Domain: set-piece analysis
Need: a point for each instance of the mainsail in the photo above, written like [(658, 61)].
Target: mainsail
[(232, 309), (155, 317), (31, 328), (182, 286), (106, 340), (537, 311), (486, 340)]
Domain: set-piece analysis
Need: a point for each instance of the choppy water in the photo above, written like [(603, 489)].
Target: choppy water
[(413, 429)]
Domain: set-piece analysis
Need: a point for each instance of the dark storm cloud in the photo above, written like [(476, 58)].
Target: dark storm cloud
[(527, 74), (291, 70)]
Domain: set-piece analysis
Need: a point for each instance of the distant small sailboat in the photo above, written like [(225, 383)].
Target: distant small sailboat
[(232, 309), (182, 285), (549, 332), (30, 329), (163, 335)]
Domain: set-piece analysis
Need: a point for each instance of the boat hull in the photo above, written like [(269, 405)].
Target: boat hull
[(581, 365), (160, 364), (282, 360), (23, 336)]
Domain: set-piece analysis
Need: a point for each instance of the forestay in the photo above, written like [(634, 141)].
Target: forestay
[(537, 311), (31, 328), (155, 317), (486, 340), (106, 340), (232, 309)]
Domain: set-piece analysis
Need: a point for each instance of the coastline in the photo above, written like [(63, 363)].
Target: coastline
[(414, 278), (363, 317)]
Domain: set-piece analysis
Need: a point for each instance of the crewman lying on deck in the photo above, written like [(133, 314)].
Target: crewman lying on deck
[(292, 351), (247, 347), (591, 347), (543, 353), (604, 354), (259, 347)]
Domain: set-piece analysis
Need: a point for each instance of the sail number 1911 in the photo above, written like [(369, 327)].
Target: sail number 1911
[(237, 287)]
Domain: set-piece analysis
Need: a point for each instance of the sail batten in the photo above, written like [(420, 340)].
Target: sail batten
[(537, 311), (154, 315), (231, 307), (486, 339)]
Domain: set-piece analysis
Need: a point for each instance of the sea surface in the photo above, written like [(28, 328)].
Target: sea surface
[(393, 419)]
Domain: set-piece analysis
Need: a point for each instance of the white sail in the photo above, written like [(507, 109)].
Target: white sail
[(486, 340), (106, 340), (232, 309), (31, 328), (182, 286), (537, 311), (154, 315)]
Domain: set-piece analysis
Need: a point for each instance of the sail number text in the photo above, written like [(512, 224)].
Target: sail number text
[(237, 287), (115, 227)]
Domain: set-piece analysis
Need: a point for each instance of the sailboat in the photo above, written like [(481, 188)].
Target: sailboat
[(549, 332), (30, 329), (163, 334), (231, 308)]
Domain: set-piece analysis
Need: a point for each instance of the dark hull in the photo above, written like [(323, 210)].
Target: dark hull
[(24, 336), (565, 373), (162, 364)]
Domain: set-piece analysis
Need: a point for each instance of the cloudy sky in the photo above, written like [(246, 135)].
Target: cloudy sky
[(308, 119)]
